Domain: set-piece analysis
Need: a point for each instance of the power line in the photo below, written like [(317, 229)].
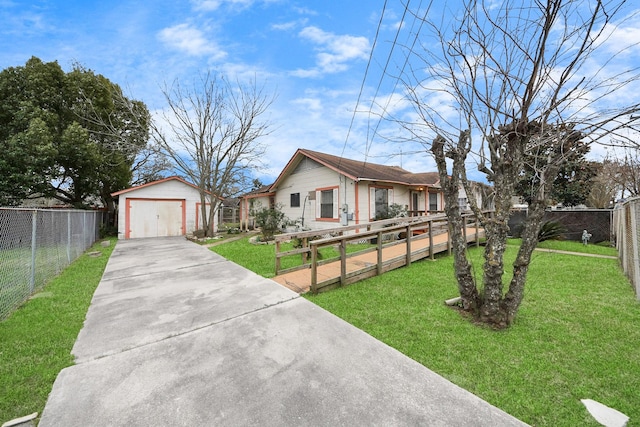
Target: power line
[(384, 72), (366, 72), (406, 60), (416, 17)]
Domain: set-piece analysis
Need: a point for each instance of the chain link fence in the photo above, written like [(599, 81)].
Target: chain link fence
[(626, 220), (36, 245)]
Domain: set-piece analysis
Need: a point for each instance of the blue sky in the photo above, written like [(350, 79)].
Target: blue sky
[(311, 54)]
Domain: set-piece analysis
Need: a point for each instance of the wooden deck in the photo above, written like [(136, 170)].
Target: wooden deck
[(361, 265)]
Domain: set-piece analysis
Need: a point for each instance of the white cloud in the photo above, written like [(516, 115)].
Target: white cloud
[(206, 5), (212, 5), (247, 74), (311, 106), (191, 40), (19, 20), (305, 11), (286, 26), (305, 73), (334, 51), (624, 38)]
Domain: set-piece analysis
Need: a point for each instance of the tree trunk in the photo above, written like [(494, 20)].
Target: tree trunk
[(450, 186), (514, 296), (496, 231), (203, 215), (111, 211), (212, 212), (495, 246), (464, 277)]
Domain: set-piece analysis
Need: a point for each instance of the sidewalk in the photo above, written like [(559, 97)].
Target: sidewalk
[(177, 335)]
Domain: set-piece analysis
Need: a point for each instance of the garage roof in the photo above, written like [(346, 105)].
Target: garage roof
[(149, 184)]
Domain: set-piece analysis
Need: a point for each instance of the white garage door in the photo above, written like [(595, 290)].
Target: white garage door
[(155, 218)]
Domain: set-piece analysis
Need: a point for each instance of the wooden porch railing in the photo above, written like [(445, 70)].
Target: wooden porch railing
[(357, 230), (384, 234)]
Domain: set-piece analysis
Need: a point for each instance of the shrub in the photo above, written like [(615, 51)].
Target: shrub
[(551, 230), (393, 211), (270, 220), (107, 230)]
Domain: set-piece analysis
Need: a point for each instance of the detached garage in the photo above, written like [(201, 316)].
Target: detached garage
[(168, 207)]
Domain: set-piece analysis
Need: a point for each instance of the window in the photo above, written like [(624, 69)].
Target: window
[(380, 198), (433, 202), (295, 200), (326, 204), (463, 203), (382, 203)]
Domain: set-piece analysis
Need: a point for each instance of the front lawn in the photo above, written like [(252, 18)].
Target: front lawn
[(576, 336), (36, 340), (565, 245), (260, 258)]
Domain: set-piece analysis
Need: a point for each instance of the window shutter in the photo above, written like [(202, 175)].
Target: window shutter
[(336, 208), (318, 203), (390, 196)]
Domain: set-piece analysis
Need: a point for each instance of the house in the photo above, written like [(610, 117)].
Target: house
[(261, 197), (167, 207), (321, 191)]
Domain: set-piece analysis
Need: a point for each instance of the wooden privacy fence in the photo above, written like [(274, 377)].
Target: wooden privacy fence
[(393, 243)]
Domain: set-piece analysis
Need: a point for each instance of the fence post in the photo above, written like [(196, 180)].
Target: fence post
[(343, 262), (69, 237), (86, 243), (34, 229), (409, 237), (477, 232), (634, 233), (379, 250), (431, 254), (314, 268), (305, 245), (277, 247)]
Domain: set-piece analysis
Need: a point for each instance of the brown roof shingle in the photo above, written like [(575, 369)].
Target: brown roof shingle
[(366, 171)]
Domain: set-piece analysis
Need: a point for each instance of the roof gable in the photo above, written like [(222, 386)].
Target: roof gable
[(160, 181)]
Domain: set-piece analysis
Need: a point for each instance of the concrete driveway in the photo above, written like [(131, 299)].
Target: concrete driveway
[(178, 336)]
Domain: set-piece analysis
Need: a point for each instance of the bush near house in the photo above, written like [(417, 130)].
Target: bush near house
[(270, 220)]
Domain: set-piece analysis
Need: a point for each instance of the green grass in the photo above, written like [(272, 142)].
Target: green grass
[(564, 245), (603, 248), (576, 335), (257, 258), (37, 338), (261, 258)]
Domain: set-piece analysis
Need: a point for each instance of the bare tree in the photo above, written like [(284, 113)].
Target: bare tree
[(510, 86), (627, 172), (211, 133), (605, 188)]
